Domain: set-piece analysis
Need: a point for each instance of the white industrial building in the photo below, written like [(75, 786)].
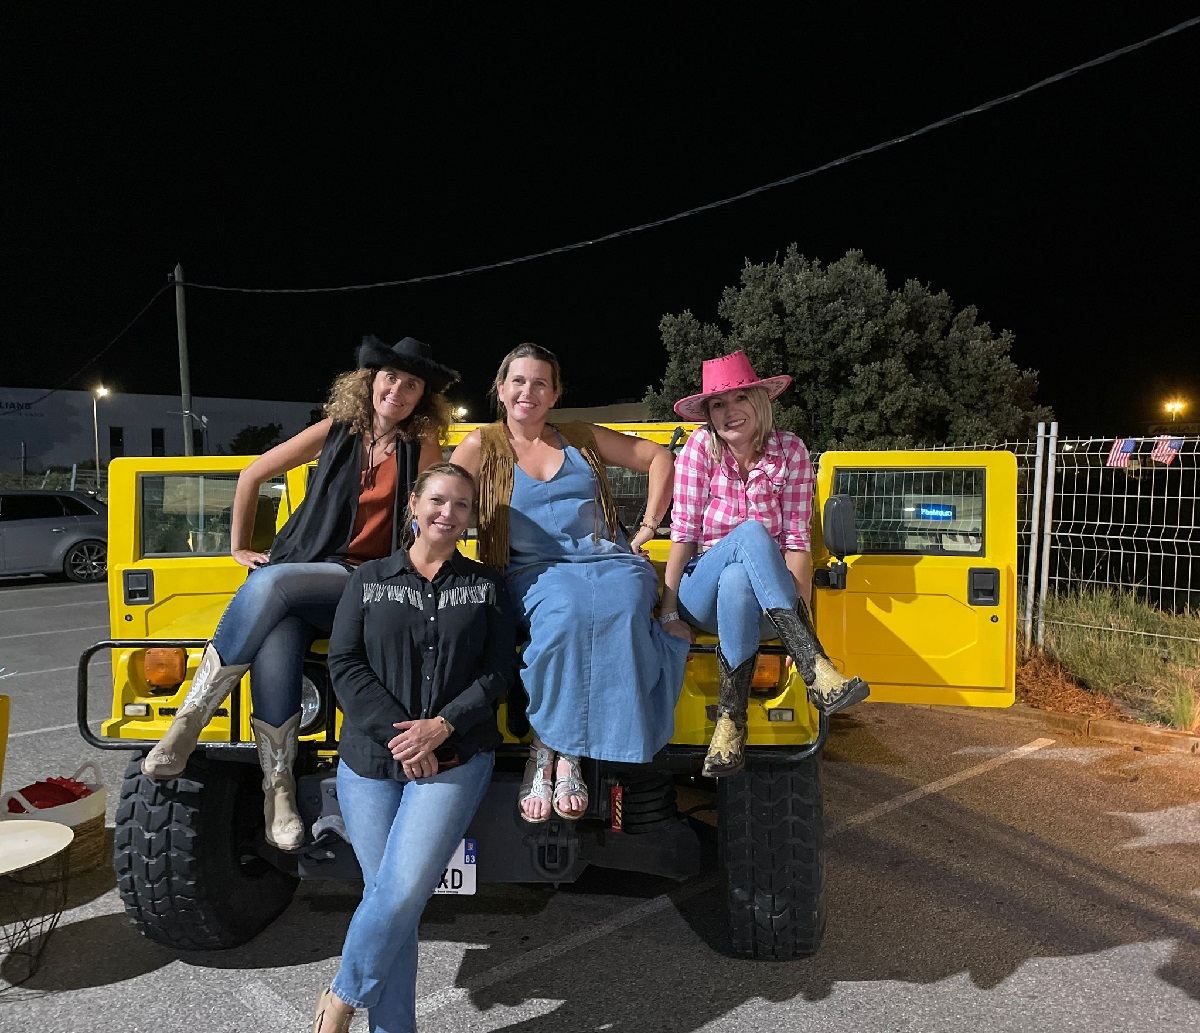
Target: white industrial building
[(41, 428)]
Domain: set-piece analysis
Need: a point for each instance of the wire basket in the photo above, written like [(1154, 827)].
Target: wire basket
[(32, 899)]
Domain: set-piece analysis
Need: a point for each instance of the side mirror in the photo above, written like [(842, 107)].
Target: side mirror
[(838, 528), (841, 538)]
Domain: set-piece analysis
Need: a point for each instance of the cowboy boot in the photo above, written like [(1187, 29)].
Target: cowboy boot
[(827, 689), (276, 755), (727, 750), (210, 687)]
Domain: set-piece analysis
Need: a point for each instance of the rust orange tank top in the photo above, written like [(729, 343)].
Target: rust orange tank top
[(372, 537)]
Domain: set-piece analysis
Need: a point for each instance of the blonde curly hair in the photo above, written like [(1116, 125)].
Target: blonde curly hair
[(350, 402)]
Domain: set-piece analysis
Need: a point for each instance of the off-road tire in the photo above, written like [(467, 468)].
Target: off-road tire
[(770, 845), (185, 853), (86, 562)]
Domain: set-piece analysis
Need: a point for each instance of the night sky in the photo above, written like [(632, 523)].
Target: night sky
[(324, 148)]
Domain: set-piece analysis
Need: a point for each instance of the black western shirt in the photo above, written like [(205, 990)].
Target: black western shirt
[(404, 648)]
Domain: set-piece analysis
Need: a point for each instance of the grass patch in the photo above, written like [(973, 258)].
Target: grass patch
[(1145, 659)]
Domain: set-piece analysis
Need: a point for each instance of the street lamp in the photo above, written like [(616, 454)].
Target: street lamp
[(1175, 407), (99, 393), (459, 412)]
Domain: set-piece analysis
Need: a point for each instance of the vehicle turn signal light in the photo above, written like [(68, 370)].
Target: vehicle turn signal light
[(766, 675), (165, 667)]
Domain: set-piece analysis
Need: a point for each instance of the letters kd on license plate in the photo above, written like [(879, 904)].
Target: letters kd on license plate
[(459, 876)]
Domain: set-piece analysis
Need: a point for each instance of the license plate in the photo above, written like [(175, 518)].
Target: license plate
[(459, 876)]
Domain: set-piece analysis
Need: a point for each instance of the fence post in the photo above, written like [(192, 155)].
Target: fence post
[(1047, 530), (74, 469), (1035, 526)]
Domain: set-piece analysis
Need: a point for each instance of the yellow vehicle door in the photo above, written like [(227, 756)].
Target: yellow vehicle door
[(170, 575), (928, 611)]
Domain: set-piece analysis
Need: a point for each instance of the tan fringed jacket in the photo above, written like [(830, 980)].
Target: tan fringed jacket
[(497, 460)]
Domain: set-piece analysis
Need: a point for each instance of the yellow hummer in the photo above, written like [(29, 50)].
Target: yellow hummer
[(915, 586)]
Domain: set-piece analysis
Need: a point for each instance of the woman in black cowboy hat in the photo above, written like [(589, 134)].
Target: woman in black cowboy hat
[(383, 424)]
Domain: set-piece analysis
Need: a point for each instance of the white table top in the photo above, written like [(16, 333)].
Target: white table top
[(25, 842)]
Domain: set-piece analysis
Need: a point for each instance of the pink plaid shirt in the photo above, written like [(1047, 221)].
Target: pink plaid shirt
[(711, 499)]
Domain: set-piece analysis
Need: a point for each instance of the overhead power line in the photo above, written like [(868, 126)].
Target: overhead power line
[(688, 213), (653, 224), (100, 354)]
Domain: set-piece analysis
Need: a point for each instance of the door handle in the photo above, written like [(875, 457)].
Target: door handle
[(59, 530), (983, 586)]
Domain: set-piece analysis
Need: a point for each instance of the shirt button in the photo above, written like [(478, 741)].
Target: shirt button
[(431, 618)]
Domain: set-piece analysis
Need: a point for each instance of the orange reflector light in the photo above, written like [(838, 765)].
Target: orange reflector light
[(767, 672), (165, 668)]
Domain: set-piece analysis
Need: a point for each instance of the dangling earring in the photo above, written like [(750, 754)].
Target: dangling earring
[(416, 530)]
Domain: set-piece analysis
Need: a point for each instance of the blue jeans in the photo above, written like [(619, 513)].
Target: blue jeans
[(732, 584), (403, 834), (270, 623)]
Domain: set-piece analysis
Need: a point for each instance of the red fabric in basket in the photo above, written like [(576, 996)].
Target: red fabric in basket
[(50, 792)]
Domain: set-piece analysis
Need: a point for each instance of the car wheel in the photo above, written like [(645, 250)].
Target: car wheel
[(770, 844), (86, 562), (186, 856)]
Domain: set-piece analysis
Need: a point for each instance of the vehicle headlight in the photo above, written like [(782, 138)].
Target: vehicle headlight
[(310, 704)]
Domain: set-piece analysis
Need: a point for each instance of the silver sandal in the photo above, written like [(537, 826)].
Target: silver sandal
[(538, 786), (570, 784)]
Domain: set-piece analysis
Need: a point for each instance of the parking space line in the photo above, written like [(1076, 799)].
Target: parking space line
[(39, 731), (49, 670), (871, 813), (453, 994), (56, 631), (55, 606), (456, 994)]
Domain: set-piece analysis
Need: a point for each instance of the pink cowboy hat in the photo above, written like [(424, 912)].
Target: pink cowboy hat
[(727, 373)]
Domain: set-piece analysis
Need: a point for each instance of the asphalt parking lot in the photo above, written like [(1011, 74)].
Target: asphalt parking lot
[(982, 875)]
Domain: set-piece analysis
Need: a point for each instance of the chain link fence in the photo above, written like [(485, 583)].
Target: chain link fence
[(1117, 514)]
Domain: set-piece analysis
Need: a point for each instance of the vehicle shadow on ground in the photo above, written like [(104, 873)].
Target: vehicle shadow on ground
[(106, 949), (944, 894)]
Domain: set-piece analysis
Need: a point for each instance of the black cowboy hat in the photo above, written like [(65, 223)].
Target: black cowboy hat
[(411, 356)]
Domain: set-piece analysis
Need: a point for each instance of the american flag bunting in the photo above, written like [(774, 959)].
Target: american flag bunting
[(1166, 448), (1120, 452)]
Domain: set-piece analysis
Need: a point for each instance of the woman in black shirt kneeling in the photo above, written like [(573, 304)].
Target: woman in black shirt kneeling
[(422, 648)]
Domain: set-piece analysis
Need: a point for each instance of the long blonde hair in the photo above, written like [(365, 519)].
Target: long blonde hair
[(350, 402), (764, 420)]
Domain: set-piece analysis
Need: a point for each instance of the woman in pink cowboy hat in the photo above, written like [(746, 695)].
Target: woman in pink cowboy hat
[(740, 564)]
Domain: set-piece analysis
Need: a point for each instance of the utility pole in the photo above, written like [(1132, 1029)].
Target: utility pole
[(185, 379)]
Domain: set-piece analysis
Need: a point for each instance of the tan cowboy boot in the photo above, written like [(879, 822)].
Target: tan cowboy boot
[(210, 687), (333, 1014), (827, 689), (727, 751), (276, 755)]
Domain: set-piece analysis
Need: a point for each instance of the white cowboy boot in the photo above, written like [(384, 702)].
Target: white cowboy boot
[(211, 686), (276, 755)]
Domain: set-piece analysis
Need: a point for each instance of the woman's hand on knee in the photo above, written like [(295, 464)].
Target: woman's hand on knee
[(250, 558), (680, 628)]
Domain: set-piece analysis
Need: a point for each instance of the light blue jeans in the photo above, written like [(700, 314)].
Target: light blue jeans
[(731, 586), (403, 834), (270, 623)]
